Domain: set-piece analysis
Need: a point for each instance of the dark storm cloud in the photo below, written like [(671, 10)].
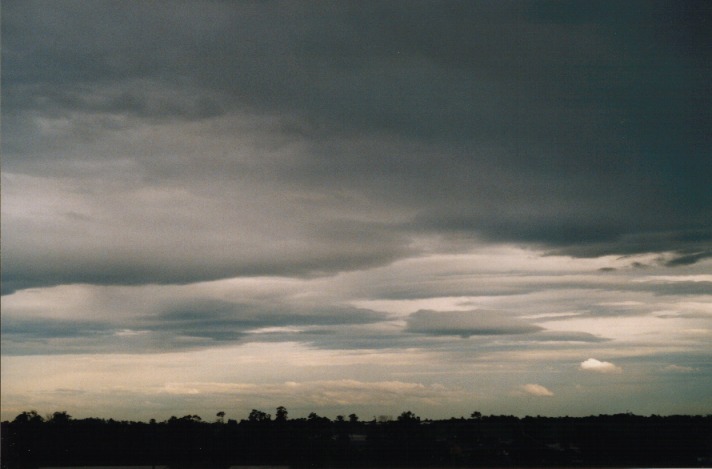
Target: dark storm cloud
[(454, 70), (583, 129)]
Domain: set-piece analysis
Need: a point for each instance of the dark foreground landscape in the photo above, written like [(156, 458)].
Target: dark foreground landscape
[(478, 441)]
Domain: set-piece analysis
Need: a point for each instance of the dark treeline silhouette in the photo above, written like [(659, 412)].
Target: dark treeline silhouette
[(606, 440)]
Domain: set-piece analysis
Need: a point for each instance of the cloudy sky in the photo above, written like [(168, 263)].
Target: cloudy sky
[(366, 207)]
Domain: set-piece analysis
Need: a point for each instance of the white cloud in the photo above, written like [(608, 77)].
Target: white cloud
[(537, 390), (600, 367)]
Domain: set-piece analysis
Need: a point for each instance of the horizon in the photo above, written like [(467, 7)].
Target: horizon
[(442, 207), (225, 418)]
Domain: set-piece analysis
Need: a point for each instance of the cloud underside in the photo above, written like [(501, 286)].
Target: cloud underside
[(162, 323), (467, 323), (433, 302), (255, 141)]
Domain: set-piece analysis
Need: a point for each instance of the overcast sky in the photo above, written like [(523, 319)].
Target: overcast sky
[(368, 207)]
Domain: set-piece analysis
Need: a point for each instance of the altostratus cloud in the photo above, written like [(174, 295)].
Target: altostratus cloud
[(600, 367)]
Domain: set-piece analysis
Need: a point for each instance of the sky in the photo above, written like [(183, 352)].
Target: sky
[(356, 207)]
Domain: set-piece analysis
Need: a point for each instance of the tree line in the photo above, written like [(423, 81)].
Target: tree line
[(31, 441)]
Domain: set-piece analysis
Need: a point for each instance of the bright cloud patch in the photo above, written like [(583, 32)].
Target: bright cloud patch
[(537, 390), (600, 367)]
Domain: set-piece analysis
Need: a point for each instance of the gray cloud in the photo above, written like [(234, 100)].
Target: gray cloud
[(468, 323), (566, 336), (149, 319), (52, 328), (564, 128), (118, 232), (688, 258), (222, 315)]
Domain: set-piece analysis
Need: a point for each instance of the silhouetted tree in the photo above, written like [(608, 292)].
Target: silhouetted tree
[(495, 441), (28, 417), (259, 416), (408, 417), (221, 417), (281, 414), (60, 418)]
